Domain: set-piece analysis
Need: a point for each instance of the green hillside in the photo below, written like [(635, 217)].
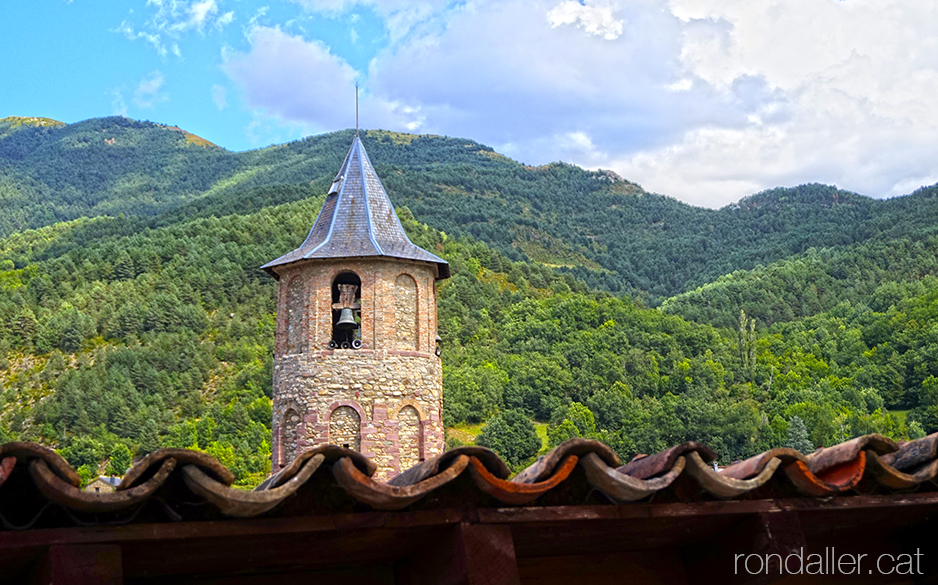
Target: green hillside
[(134, 316), (13, 123), (605, 230), (870, 274), (120, 338)]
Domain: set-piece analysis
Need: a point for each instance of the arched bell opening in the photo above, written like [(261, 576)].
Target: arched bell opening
[(346, 311)]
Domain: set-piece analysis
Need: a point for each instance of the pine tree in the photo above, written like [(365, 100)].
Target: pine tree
[(149, 438), (797, 438)]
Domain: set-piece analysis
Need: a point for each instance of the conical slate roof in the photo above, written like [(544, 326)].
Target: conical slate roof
[(357, 220)]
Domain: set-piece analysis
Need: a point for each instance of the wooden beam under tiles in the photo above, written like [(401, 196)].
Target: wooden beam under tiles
[(80, 565), (487, 545), (750, 552), (469, 554), (649, 567), (918, 540)]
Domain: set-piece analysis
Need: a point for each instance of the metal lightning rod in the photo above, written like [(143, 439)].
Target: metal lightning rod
[(356, 108)]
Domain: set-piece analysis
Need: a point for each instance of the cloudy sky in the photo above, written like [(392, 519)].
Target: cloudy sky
[(703, 100)]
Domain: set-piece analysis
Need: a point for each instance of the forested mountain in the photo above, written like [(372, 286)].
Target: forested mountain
[(872, 273), (134, 315), (607, 231)]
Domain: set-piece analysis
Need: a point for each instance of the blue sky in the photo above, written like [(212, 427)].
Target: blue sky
[(704, 101)]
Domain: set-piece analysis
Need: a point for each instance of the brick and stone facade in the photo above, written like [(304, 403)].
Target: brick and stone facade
[(382, 397)]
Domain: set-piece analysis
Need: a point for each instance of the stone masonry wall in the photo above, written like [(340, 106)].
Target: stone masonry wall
[(405, 312), (395, 371), (294, 325), (345, 427), (291, 419), (408, 433), (327, 385)]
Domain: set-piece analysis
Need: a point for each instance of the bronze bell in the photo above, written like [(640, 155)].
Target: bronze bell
[(346, 319)]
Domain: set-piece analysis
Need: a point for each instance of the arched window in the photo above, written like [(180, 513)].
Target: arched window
[(295, 316), (345, 428), (408, 433), (405, 314), (288, 436), (346, 309)]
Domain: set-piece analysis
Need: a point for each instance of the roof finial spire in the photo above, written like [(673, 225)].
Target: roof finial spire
[(356, 108)]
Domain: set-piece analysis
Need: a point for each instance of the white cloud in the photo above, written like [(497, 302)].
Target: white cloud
[(174, 18), (303, 82), (681, 85), (177, 16), (149, 91), (595, 20), (128, 31), (256, 19), (199, 13), (854, 81), (705, 104), (219, 96), (400, 16), (292, 78), (704, 101), (224, 20), (325, 5), (118, 105), (501, 73)]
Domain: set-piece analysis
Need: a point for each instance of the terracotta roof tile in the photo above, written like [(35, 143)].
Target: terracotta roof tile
[(174, 484), (660, 463)]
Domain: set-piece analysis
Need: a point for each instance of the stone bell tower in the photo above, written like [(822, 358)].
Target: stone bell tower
[(357, 361)]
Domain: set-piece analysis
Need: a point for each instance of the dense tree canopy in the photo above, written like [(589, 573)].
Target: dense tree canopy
[(510, 434), (135, 315), (607, 231)]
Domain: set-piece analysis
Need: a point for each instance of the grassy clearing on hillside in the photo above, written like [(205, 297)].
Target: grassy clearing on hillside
[(541, 430), (542, 247), (395, 137), (197, 140), (467, 433), (16, 121)]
